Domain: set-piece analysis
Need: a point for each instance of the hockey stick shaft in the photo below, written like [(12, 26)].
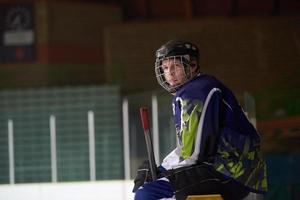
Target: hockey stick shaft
[(147, 133)]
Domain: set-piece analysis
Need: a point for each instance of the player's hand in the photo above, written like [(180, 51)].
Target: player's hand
[(143, 175)]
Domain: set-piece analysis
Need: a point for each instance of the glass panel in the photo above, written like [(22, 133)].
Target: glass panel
[(167, 141), (30, 111)]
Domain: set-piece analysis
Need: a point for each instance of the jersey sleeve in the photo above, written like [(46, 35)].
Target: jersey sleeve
[(208, 132), (199, 125)]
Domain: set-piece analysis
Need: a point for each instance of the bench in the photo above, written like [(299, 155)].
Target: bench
[(205, 197)]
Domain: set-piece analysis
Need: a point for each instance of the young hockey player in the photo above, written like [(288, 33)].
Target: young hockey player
[(218, 150)]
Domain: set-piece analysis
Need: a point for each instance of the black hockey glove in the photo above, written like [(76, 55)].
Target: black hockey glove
[(144, 175)]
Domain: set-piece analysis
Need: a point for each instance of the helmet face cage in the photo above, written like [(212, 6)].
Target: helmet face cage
[(184, 61), (176, 52)]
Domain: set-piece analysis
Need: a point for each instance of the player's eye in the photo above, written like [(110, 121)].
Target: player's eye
[(165, 68), (177, 65)]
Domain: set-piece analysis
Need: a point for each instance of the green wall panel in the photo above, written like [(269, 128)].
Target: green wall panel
[(30, 111)]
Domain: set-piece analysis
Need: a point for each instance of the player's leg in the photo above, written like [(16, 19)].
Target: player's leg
[(155, 190)]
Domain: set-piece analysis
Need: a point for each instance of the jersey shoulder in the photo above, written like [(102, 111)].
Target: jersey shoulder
[(199, 87)]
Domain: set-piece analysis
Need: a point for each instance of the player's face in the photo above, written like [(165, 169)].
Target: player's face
[(173, 71)]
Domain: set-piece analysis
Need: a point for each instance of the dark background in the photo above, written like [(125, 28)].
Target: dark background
[(250, 45)]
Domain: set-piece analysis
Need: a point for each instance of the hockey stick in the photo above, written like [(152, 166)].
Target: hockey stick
[(147, 133)]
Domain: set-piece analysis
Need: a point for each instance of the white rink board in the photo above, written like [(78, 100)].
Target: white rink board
[(104, 190)]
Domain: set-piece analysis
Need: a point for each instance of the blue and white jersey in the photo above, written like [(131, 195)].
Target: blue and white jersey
[(211, 127)]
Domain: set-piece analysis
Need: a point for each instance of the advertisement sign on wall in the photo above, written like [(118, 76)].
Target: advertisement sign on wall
[(17, 32)]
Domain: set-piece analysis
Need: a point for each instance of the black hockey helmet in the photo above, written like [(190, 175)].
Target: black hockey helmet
[(186, 52)]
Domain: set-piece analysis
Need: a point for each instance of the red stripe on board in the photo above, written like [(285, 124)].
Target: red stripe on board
[(68, 54), (75, 54)]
